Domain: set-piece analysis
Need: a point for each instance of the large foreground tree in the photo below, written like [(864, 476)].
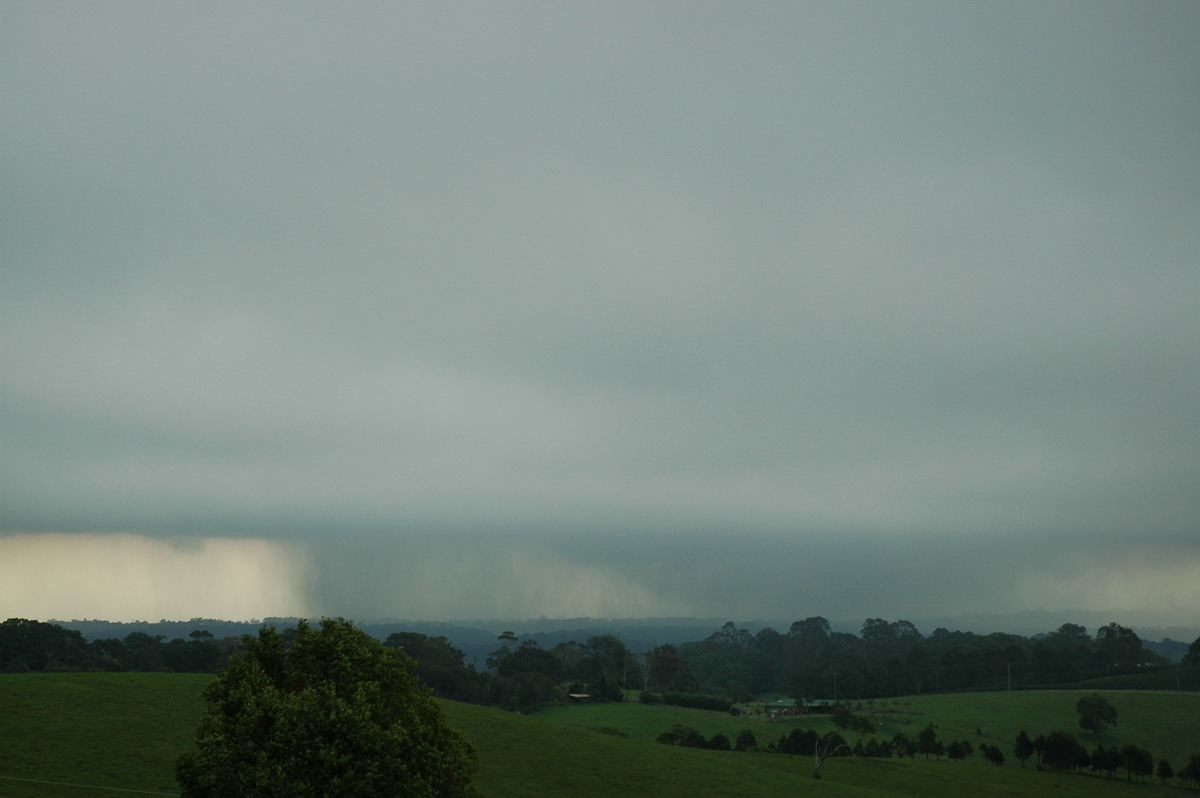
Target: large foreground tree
[(332, 713)]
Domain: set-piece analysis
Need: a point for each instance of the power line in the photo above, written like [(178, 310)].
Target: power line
[(88, 786)]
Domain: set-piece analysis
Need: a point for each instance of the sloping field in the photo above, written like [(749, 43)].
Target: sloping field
[(124, 731), (115, 730), (1168, 724), (524, 757)]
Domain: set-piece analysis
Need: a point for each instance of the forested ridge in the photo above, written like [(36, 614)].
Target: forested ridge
[(807, 661)]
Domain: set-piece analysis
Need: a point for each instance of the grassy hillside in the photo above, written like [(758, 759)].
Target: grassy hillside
[(1168, 724), (117, 730), (523, 757), (125, 731)]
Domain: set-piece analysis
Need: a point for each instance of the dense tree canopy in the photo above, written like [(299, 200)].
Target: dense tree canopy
[(333, 713), (807, 661), (1193, 653)]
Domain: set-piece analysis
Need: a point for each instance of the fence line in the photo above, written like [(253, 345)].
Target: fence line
[(87, 786)]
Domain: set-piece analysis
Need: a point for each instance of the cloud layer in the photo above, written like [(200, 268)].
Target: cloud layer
[(628, 281), (127, 577)]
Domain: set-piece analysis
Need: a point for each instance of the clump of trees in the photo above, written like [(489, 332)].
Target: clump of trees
[(1061, 752), (1190, 775), (888, 658), (797, 741), (520, 674), (331, 711), (690, 738), (27, 645)]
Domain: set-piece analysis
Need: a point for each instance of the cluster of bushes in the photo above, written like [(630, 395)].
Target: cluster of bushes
[(688, 700), (690, 738), (805, 741)]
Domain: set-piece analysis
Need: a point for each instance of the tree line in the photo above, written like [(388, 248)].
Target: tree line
[(37, 646), (811, 661), (1058, 751), (808, 661)]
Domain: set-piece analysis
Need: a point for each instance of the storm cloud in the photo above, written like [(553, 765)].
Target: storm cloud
[(610, 309)]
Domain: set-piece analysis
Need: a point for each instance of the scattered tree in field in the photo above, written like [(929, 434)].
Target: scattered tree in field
[(833, 742), (1023, 749), (720, 742), (797, 741), (877, 749), (1137, 762), (1106, 760), (1193, 652), (745, 741), (1190, 774), (1164, 771), (902, 746), (992, 753), (960, 749), (1095, 713), (927, 742), (1063, 752), (334, 713), (1039, 748)]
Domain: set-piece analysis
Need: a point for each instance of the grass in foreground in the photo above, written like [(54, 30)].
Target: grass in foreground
[(125, 731), (115, 730)]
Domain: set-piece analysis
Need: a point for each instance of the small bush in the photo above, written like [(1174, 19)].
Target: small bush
[(685, 736)]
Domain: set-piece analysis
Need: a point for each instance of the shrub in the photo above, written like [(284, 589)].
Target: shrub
[(685, 736)]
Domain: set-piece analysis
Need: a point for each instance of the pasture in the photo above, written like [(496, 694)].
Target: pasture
[(119, 734)]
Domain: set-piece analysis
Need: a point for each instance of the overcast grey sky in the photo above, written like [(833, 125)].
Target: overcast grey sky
[(470, 310)]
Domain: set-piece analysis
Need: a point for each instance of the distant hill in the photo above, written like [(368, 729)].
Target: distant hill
[(477, 638)]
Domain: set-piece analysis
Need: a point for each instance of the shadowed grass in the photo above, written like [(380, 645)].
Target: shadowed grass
[(125, 731), (118, 730)]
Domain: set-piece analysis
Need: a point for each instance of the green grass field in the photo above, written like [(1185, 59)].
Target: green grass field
[(119, 730), (124, 731)]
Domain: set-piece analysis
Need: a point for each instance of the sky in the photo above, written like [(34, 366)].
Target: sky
[(625, 309)]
